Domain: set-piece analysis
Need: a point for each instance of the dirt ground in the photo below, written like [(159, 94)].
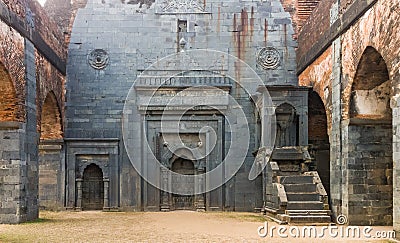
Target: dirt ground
[(179, 226)]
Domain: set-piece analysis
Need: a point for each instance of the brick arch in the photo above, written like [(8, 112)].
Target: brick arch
[(367, 33), (319, 77), (371, 88), (51, 121), (8, 99), (354, 73)]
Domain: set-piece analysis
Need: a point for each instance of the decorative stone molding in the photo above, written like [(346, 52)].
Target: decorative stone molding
[(182, 6), (268, 58), (98, 59)]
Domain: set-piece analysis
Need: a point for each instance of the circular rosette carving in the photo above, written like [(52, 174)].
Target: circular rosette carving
[(268, 58), (98, 59)]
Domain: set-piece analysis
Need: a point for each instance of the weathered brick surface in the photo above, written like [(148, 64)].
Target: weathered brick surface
[(299, 10), (304, 8), (12, 60), (319, 76), (46, 28), (344, 5), (50, 83), (17, 6), (385, 38), (314, 28)]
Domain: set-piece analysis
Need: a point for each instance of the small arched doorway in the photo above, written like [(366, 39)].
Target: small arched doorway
[(183, 167), (287, 122), (92, 188)]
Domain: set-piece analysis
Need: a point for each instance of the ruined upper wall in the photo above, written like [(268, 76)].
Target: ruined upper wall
[(31, 19), (315, 27), (299, 10), (63, 13), (24, 22), (48, 30), (327, 22)]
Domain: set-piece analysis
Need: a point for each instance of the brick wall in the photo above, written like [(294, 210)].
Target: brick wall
[(299, 10), (304, 9), (12, 60), (50, 80), (48, 30), (17, 6), (314, 28), (344, 5)]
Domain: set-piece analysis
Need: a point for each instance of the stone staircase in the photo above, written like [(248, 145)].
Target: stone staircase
[(297, 199), (304, 201)]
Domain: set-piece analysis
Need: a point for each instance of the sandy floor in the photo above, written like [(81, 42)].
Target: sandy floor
[(180, 226)]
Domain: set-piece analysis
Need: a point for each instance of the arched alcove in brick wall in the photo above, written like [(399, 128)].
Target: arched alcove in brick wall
[(370, 149), (370, 96), (51, 124), (8, 106)]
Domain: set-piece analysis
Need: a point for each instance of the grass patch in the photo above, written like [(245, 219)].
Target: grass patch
[(39, 221)]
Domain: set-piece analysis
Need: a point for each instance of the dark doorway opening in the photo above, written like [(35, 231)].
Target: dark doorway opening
[(92, 188), (183, 202), (318, 139)]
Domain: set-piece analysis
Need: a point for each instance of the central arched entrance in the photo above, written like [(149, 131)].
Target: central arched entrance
[(183, 167), (92, 188)]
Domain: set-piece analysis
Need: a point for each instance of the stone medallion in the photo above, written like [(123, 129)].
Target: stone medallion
[(98, 59), (268, 58)]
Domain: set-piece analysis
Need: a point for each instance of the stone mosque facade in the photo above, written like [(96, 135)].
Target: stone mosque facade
[(283, 107)]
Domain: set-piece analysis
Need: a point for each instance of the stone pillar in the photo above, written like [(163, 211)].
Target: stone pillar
[(106, 187), (51, 186), (396, 167), (19, 155), (336, 137), (165, 202), (79, 196)]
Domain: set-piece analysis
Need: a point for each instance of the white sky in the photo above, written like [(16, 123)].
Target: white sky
[(41, 2)]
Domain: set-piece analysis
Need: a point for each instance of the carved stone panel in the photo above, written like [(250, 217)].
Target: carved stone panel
[(181, 6)]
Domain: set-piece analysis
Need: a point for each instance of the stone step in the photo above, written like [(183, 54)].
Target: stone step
[(300, 188), (309, 219), (303, 196), (305, 205), (307, 212), (297, 179)]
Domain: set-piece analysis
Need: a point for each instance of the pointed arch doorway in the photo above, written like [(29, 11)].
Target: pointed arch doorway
[(92, 188)]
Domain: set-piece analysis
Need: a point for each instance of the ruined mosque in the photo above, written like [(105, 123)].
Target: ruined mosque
[(285, 107)]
